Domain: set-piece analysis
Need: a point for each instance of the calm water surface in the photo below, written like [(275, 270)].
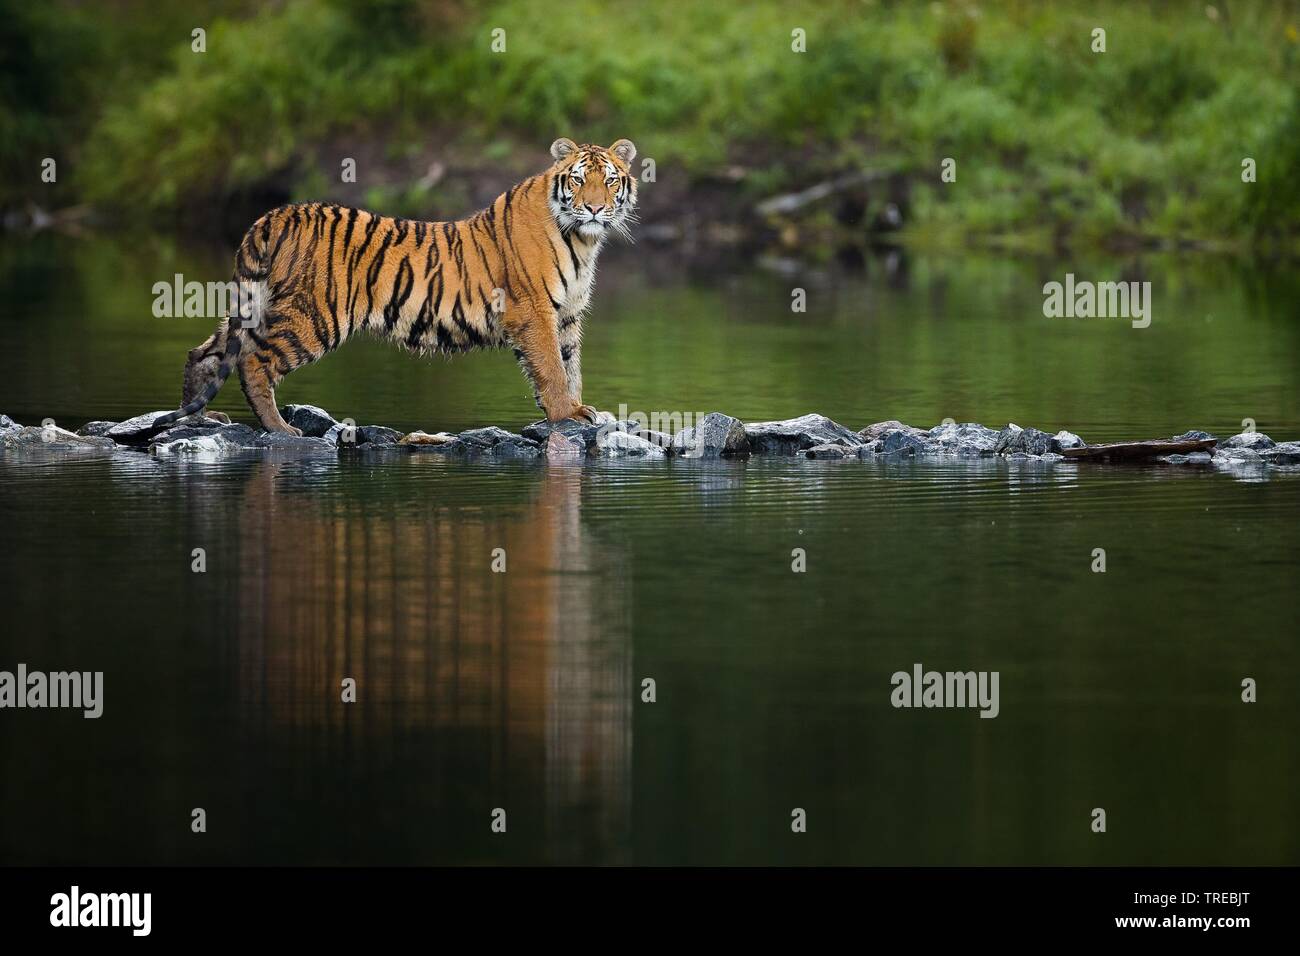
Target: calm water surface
[(522, 690)]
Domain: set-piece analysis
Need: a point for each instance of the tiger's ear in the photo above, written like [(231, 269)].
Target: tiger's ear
[(625, 150), (562, 147)]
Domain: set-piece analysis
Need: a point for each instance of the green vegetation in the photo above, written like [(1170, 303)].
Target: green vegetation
[(1051, 139)]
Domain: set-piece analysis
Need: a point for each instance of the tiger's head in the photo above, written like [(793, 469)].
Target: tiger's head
[(593, 190)]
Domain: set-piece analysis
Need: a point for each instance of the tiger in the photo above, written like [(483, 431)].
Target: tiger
[(518, 273)]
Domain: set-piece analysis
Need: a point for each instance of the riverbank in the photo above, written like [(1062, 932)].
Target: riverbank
[(934, 123)]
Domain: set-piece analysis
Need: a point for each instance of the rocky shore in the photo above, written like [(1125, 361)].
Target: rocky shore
[(715, 435)]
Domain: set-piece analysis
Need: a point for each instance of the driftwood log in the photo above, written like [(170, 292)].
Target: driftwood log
[(1140, 449)]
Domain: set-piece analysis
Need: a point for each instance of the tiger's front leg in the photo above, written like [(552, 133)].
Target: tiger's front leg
[(534, 332), (571, 354)]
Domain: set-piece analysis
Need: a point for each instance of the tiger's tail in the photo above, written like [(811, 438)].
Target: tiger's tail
[(234, 345), (252, 267)]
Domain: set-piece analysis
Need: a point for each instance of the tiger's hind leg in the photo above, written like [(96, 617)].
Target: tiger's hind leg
[(291, 342)]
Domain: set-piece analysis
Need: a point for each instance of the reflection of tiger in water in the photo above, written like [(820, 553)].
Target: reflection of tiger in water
[(519, 273)]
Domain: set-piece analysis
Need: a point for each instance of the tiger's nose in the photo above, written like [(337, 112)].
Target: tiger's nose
[(594, 209)]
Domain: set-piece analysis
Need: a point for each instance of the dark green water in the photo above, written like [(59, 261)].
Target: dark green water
[(521, 690)]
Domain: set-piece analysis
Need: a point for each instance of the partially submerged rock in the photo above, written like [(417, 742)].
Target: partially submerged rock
[(714, 436), (828, 452), (1030, 441), (965, 438), (619, 444), (880, 429), (138, 430), (314, 422), (1255, 441), (793, 435), (52, 437)]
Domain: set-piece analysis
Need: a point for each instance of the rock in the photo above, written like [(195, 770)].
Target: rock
[(50, 437), (714, 436), (1282, 453), (1235, 453), (620, 444), (377, 435), (1030, 441), (879, 429), (828, 452), (1255, 441), (499, 443), (486, 437), (195, 428), (967, 438), (1195, 458), (216, 439), (203, 446), (282, 441), (6, 423), (138, 430), (791, 436), (663, 440), (1064, 439), (1193, 436), (95, 429), (571, 428), (422, 438), (901, 443), (560, 447), (314, 422)]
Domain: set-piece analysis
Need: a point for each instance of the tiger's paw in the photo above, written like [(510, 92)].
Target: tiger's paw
[(585, 413)]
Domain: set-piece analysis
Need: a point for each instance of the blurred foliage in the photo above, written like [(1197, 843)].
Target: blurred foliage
[(1144, 140)]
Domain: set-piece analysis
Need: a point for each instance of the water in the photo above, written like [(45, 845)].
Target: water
[(522, 690)]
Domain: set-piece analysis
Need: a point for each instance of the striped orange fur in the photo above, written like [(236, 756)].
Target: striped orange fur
[(519, 274)]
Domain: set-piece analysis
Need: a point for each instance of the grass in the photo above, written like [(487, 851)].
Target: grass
[(1145, 140)]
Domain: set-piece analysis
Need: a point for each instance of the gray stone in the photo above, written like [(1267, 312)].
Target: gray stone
[(569, 427), (377, 435), (620, 444), (283, 441), (499, 443), (793, 435), (52, 438), (662, 439), (1283, 453), (7, 423), (966, 438), (879, 429), (140, 429), (357, 436), (1193, 436), (96, 429), (715, 435), (1029, 441), (1192, 458), (192, 428), (315, 422), (1064, 439), (1235, 453), (218, 439), (829, 452), (560, 447), (902, 444), (1255, 441)]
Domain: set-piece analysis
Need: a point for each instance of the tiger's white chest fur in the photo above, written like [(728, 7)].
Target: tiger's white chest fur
[(579, 280)]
